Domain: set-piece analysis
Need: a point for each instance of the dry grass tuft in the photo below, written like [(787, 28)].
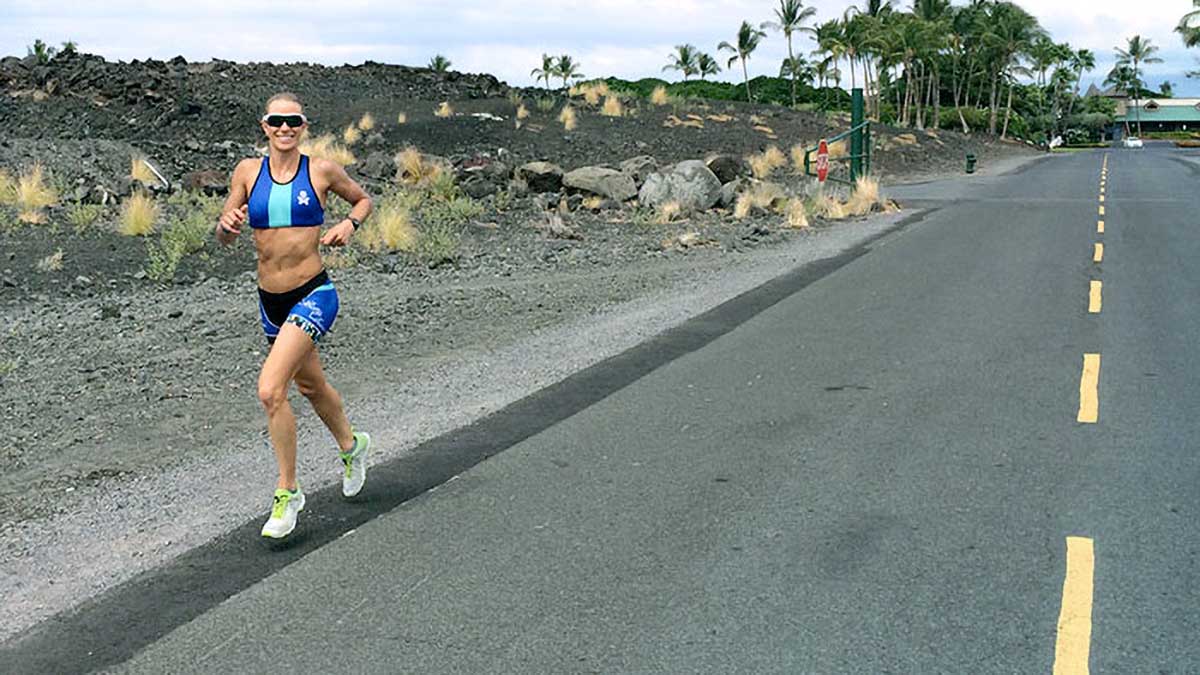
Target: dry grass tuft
[(391, 227), (721, 118), (351, 135), (522, 112), (765, 163), (763, 129), (668, 212), (864, 198), (591, 92), (326, 147), (828, 207), (52, 262), (593, 203), (612, 107), (905, 139), (798, 152), (760, 197), (140, 171), (659, 96), (366, 122), (32, 194), (568, 118), (797, 215), (414, 169), (402, 118), (674, 121), (757, 119), (839, 149), (139, 213), (444, 110), (8, 188)]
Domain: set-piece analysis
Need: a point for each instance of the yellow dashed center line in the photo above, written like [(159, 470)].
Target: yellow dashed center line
[(1089, 390), (1100, 226), (1094, 298), (1101, 197), (1098, 253), (1101, 210), (1074, 643)]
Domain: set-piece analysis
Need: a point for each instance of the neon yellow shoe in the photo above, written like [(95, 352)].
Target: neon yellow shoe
[(284, 511), (355, 462)]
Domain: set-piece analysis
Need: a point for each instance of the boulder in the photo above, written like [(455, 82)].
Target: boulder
[(377, 165), (479, 187), (728, 167), (730, 192), (611, 183), (541, 176), (689, 183), (640, 168)]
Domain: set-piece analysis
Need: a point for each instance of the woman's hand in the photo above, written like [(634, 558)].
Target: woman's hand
[(230, 224), (339, 235)]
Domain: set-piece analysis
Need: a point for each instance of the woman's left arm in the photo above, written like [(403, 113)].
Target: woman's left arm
[(341, 184)]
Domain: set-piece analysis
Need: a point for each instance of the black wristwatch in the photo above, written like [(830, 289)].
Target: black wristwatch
[(355, 222)]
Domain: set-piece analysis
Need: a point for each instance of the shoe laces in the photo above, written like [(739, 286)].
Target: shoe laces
[(280, 506)]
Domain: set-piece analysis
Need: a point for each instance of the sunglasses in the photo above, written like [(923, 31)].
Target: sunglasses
[(294, 120)]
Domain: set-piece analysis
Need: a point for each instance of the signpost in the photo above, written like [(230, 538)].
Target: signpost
[(822, 161)]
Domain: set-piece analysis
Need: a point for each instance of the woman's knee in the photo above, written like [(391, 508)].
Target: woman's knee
[(272, 395)]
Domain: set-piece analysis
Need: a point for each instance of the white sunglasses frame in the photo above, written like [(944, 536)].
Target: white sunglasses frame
[(264, 119)]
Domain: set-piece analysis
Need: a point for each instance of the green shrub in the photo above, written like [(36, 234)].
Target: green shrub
[(182, 237), (977, 119), (82, 216), (546, 104), (437, 244)]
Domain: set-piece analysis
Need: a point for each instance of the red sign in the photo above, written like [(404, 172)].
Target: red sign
[(822, 161)]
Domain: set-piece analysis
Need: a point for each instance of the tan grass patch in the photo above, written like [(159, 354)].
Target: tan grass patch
[(659, 96), (522, 112), (568, 118), (366, 122), (721, 118), (52, 262), (797, 214), (905, 139), (828, 207), (593, 203), (414, 169), (839, 149), (326, 147), (391, 227), (668, 212), (673, 121), (351, 135), (612, 107), (798, 153), (765, 163), (402, 118), (33, 194), (140, 171), (864, 198), (760, 197), (444, 110), (757, 120), (764, 129), (8, 188), (592, 92), (139, 213)]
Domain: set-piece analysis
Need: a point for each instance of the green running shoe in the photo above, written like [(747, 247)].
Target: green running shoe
[(355, 463), (284, 511)]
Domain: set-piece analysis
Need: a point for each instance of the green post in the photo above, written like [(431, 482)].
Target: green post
[(856, 138)]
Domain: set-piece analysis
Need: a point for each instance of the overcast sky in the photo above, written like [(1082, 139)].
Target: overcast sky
[(626, 38)]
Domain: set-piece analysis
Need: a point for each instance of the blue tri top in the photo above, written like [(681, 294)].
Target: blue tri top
[(290, 204)]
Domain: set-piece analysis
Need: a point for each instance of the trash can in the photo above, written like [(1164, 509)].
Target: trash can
[(970, 163)]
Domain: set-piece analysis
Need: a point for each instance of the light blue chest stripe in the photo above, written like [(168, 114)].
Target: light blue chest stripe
[(279, 205)]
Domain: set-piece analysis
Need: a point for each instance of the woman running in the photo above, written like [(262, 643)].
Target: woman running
[(283, 197)]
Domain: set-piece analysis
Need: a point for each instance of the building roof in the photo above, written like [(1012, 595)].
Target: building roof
[(1163, 110)]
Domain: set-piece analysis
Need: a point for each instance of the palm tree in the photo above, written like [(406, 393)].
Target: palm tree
[(1167, 88), (1189, 26), (789, 18), (1011, 31), (706, 65), (831, 42), (1121, 77), (1138, 51), (798, 69), (549, 69), (747, 42), (1082, 61), (439, 64), (567, 69), (684, 60)]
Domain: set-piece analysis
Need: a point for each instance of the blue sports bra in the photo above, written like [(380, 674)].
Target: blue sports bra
[(291, 204)]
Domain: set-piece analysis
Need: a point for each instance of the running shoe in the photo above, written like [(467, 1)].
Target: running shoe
[(355, 463), (287, 506)]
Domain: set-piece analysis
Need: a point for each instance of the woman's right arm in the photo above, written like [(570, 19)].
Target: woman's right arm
[(233, 214)]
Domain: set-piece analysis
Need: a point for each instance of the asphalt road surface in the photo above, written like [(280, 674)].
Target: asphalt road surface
[(949, 451)]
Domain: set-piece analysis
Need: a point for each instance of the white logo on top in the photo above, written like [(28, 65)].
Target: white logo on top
[(302, 198)]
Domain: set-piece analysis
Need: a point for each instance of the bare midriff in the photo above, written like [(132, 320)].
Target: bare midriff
[(287, 257)]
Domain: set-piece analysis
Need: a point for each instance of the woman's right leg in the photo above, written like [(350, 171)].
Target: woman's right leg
[(290, 350)]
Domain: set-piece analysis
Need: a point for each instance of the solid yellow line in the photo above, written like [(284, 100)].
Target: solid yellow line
[(1098, 253), (1094, 298), (1100, 226), (1074, 643), (1089, 390)]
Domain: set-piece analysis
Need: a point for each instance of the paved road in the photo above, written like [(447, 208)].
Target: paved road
[(876, 465)]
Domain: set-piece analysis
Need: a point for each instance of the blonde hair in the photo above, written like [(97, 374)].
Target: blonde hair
[(283, 96)]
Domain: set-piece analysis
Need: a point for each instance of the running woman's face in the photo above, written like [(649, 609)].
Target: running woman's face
[(284, 137)]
